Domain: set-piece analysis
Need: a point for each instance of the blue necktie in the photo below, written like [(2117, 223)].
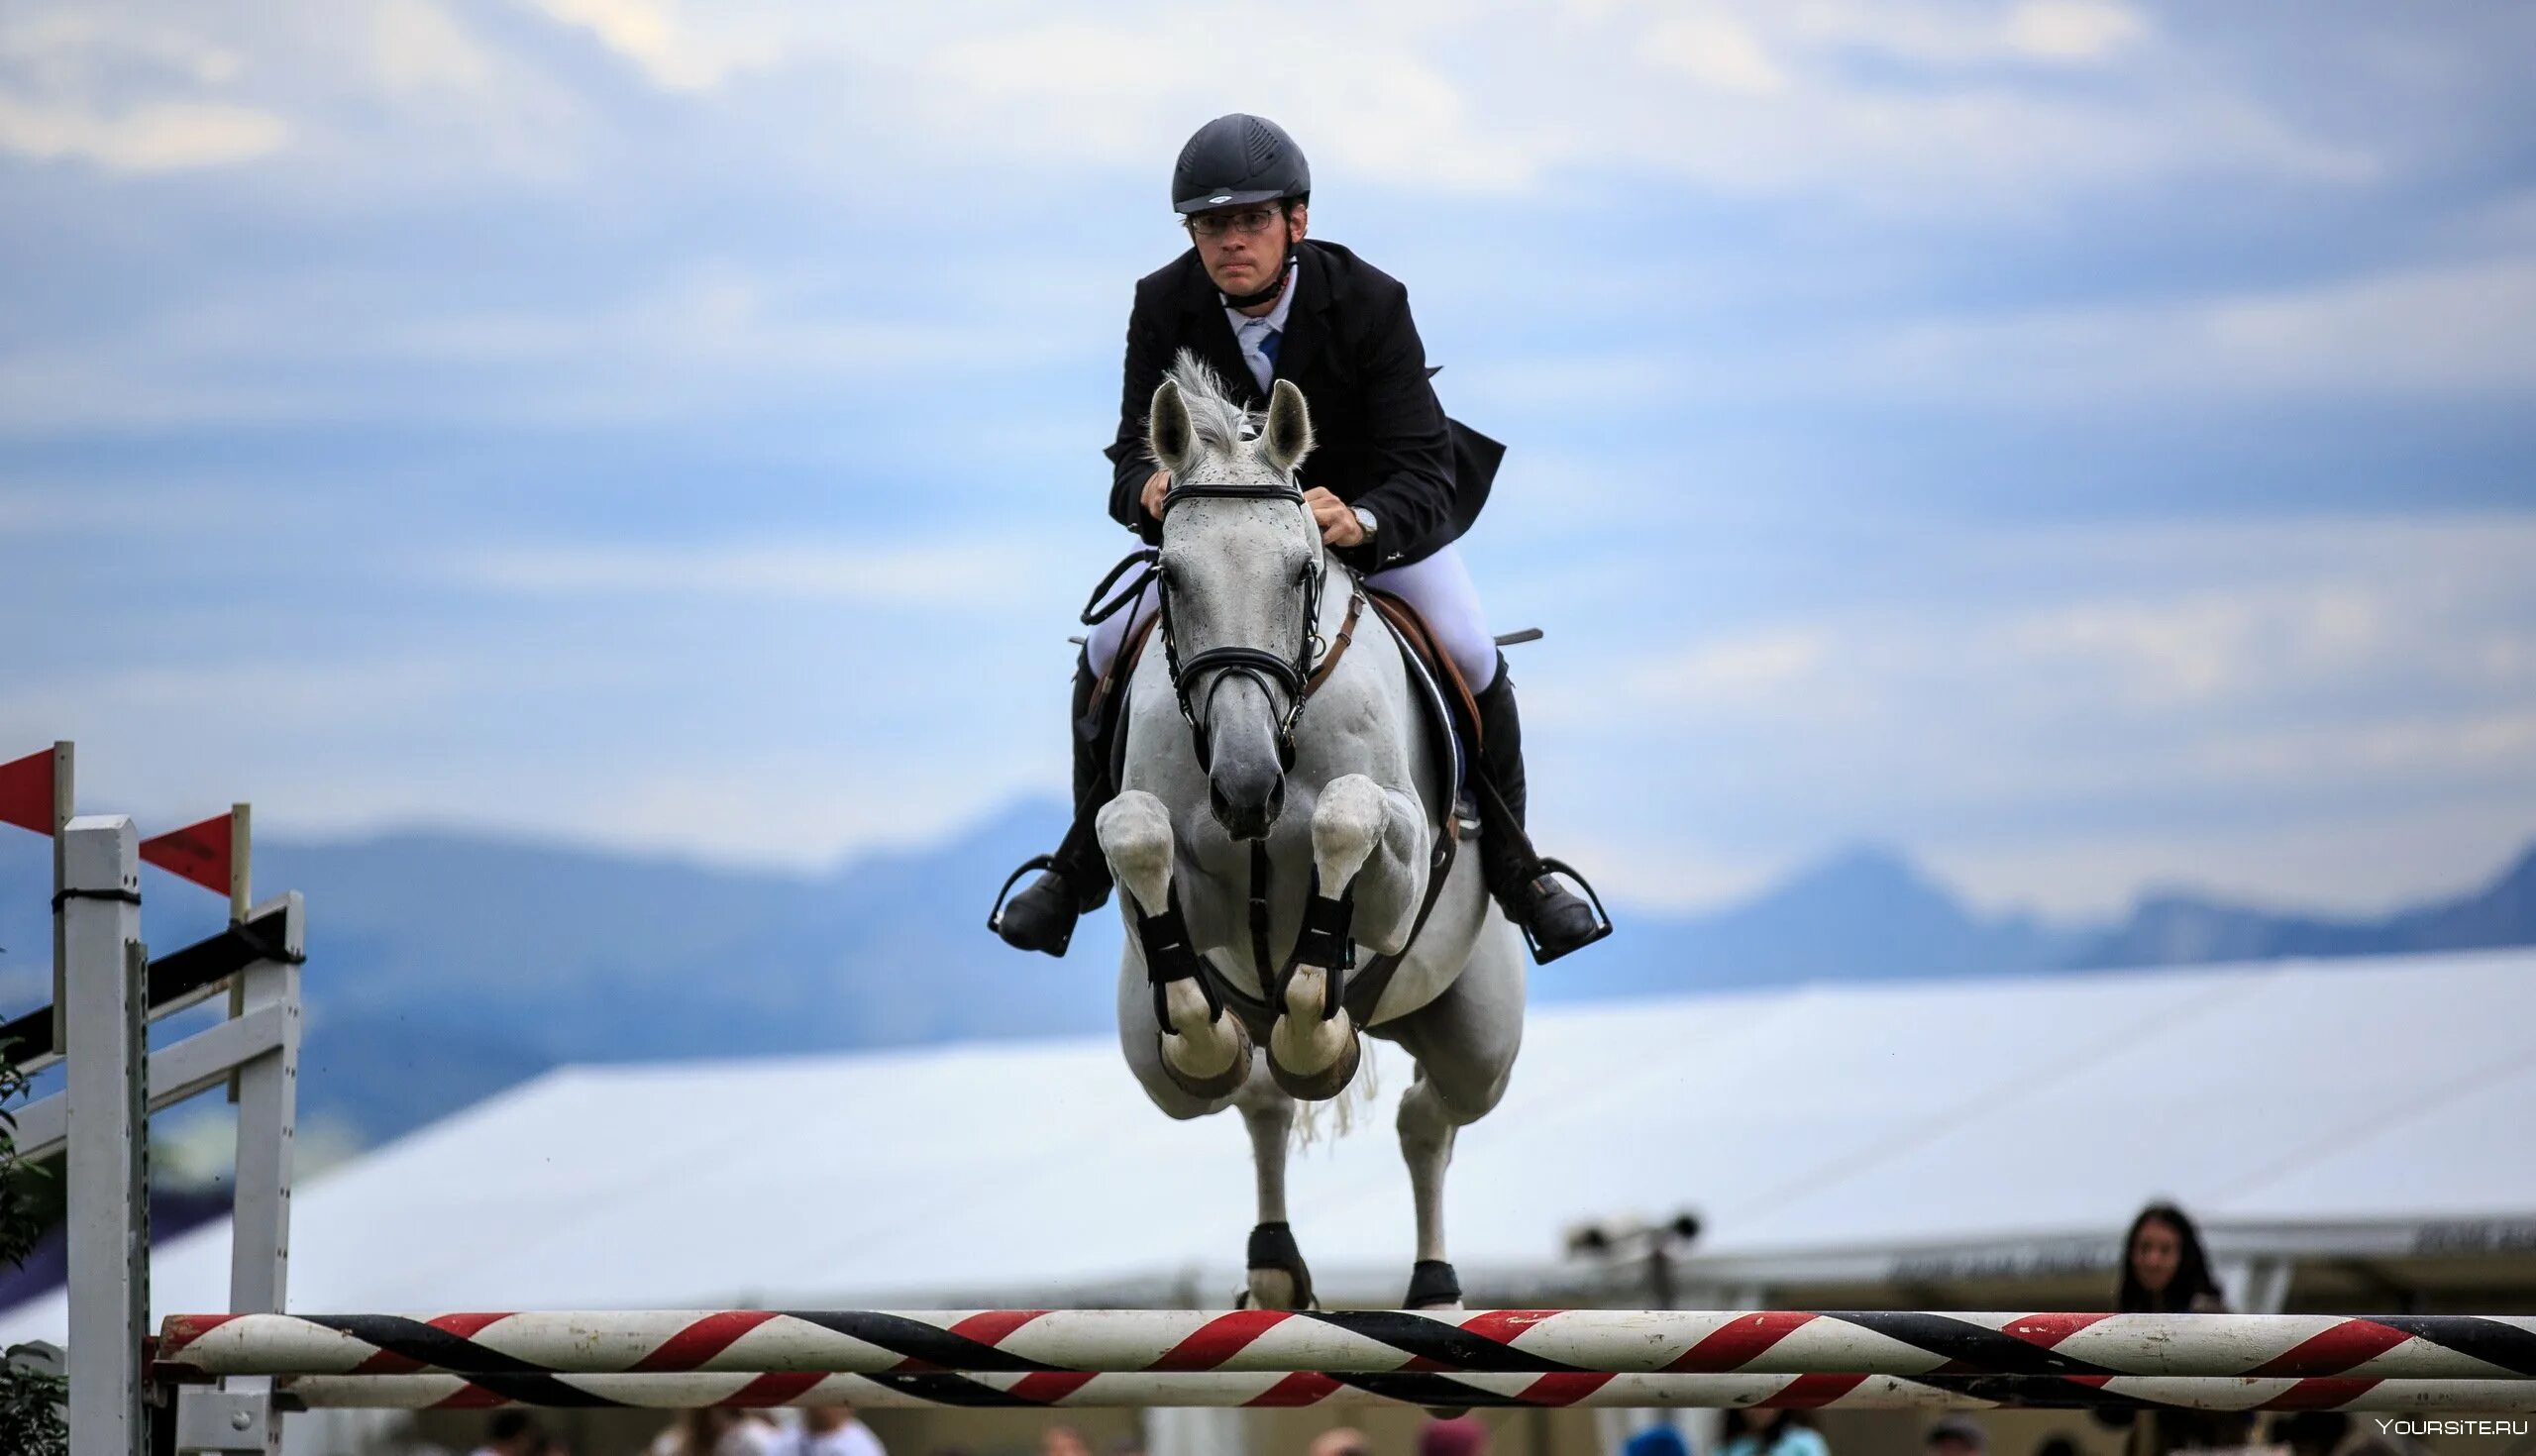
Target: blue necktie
[(1268, 346)]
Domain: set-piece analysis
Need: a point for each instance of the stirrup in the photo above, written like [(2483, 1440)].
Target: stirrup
[(1545, 867), (995, 916)]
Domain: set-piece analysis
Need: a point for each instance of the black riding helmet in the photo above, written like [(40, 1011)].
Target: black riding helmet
[(1235, 160)]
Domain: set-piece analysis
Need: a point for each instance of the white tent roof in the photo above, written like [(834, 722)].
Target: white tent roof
[(1818, 1122)]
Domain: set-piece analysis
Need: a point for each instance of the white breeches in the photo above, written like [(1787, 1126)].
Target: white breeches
[(1438, 587)]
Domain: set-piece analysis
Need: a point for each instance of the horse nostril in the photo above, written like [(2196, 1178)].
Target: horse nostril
[(1246, 806)]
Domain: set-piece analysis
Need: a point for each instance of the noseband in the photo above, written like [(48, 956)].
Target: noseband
[(1290, 674)]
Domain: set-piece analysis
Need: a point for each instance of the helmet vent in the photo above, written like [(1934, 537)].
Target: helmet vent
[(1258, 146)]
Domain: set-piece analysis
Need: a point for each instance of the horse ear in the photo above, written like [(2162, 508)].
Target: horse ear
[(1289, 436), (1167, 431)]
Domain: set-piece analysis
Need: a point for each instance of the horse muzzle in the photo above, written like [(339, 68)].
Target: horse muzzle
[(1246, 797)]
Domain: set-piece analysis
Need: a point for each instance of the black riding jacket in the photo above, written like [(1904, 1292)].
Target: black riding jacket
[(1381, 440)]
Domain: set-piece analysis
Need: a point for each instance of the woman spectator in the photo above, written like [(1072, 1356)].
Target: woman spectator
[(2165, 1272)]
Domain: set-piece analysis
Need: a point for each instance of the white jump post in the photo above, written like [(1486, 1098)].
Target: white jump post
[(107, 992), (105, 1006)]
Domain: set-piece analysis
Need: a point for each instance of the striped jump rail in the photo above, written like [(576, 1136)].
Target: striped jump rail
[(1511, 1343), (1269, 1390)]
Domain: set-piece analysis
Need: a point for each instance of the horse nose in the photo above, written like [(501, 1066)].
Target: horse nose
[(1247, 800)]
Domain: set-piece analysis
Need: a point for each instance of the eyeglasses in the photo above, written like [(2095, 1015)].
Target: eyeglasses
[(1217, 224)]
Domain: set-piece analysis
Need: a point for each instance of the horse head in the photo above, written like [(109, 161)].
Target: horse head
[(1241, 567)]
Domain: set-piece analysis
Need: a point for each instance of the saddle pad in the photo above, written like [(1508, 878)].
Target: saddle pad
[(1451, 712)]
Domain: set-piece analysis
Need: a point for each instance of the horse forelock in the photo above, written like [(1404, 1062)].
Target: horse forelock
[(1221, 423)]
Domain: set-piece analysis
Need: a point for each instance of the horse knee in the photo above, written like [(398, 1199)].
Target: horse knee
[(1346, 824), (1135, 831), (1459, 1095)]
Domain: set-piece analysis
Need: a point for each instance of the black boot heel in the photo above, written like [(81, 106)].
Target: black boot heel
[(1555, 922), (1041, 917)]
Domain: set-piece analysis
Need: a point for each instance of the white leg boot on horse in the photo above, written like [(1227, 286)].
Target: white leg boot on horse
[(1313, 1049), (1205, 1049)]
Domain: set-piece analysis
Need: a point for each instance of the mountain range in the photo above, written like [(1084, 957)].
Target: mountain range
[(447, 966)]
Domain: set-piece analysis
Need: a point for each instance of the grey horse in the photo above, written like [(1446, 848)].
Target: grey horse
[(1228, 753)]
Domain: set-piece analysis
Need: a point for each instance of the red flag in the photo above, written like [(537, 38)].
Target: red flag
[(26, 792), (201, 853)]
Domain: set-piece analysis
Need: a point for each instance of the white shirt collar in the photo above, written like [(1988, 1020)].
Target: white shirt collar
[(1274, 318)]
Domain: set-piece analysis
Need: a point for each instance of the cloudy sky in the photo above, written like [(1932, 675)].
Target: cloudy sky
[(2089, 446)]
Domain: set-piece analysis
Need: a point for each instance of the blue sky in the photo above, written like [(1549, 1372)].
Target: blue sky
[(2088, 445)]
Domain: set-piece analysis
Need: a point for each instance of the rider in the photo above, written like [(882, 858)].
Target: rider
[(1389, 481)]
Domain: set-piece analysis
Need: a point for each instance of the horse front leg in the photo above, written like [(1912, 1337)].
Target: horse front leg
[(1367, 852), (1278, 1278), (1206, 1050)]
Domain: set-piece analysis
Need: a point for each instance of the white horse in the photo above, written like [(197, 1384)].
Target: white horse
[(1275, 736)]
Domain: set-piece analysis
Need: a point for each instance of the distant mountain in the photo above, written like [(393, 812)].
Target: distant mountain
[(2175, 929), (446, 967), (1866, 914)]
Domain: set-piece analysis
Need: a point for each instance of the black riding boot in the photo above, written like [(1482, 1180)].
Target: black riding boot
[(1554, 918), (1076, 878)]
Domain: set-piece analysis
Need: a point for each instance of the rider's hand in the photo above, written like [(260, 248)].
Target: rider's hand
[(1336, 518), (1155, 485)]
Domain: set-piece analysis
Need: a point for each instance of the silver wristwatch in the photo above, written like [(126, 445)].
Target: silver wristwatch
[(1365, 518)]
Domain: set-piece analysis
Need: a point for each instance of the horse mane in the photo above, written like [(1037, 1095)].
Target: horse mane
[(1218, 420)]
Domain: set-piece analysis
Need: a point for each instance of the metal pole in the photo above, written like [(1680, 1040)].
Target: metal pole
[(267, 1109), (65, 761), (105, 1008)]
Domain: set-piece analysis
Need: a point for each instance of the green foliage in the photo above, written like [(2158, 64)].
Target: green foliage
[(31, 1398)]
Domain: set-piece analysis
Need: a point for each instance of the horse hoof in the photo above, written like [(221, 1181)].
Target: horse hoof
[(1222, 1083), (1432, 1284), (1278, 1277), (1328, 1083)]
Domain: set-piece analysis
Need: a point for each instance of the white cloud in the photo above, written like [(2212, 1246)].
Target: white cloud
[(971, 575), (418, 46), (2073, 30), (67, 85), (2235, 684), (169, 136), (674, 51), (2445, 329)]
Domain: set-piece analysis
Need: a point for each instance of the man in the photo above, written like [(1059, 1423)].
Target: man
[(1389, 481)]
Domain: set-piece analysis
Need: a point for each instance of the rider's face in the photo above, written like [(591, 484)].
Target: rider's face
[(1244, 263)]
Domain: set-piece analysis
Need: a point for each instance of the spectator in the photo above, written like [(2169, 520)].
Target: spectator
[(1770, 1433), (2164, 1270), (1063, 1440), (2057, 1446), (1659, 1440), (1955, 1435), (513, 1433), (827, 1430), (715, 1431), (1339, 1440), (1460, 1437)]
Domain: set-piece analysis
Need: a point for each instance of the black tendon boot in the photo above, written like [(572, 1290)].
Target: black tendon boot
[(1554, 919), (1076, 878)]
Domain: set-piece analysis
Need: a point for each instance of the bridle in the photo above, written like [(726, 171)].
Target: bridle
[(1292, 676), (1325, 937)]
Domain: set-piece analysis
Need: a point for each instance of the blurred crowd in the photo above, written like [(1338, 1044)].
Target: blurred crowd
[(2164, 1269)]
